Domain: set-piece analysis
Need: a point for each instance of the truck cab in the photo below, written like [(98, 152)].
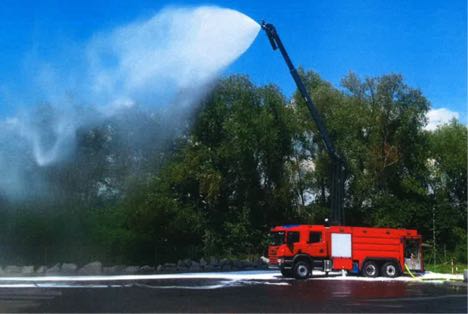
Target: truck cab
[(291, 243)]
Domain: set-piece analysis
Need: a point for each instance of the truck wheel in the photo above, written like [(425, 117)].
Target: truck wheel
[(390, 269), (287, 273), (370, 269), (301, 270)]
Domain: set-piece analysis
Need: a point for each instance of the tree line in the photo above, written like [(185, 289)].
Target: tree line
[(248, 159)]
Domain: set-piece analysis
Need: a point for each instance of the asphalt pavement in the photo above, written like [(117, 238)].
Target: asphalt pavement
[(267, 292)]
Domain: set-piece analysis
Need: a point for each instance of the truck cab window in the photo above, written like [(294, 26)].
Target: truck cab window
[(277, 238), (293, 237), (315, 237)]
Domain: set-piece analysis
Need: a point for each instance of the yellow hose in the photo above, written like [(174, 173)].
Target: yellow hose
[(428, 279), (411, 274)]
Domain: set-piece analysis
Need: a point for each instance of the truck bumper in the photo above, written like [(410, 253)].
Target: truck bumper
[(285, 264)]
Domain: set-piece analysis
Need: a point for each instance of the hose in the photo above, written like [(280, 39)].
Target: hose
[(411, 274), (428, 279)]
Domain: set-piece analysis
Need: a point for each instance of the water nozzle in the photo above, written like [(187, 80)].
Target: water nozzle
[(271, 33)]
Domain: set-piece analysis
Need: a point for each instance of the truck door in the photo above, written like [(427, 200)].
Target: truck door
[(413, 254), (293, 238), (316, 245)]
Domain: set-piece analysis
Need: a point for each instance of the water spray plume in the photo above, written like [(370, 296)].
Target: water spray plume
[(164, 64)]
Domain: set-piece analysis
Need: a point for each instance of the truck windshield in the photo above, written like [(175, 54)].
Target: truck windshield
[(277, 238)]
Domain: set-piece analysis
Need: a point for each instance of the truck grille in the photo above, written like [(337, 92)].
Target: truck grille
[(272, 255)]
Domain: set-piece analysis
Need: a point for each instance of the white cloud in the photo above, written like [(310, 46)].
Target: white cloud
[(437, 117)]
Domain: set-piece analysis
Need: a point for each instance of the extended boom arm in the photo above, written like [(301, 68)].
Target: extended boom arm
[(337, 171)]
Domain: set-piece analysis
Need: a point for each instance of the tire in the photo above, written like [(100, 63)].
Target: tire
[(287, 273), (301, 270), (390, 269), (370, 269)]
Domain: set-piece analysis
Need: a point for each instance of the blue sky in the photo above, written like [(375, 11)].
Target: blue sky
[(425, 41)]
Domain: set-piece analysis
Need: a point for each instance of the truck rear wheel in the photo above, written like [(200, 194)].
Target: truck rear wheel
[(370, 269), (301, 270), (390, 269)]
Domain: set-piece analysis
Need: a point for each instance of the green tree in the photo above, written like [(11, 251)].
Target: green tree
[(247, 160), (448, 186), (377, 126)]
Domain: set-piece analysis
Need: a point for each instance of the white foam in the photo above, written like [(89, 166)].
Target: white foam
[(266, 277), (241, 275)]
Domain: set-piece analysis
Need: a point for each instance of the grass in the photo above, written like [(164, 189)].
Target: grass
[(446, 268)]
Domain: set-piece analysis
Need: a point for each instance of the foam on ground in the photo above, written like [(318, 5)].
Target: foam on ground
[(273, 277), (241, 275)]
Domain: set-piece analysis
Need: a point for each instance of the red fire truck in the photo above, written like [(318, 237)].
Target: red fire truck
[(299, 249)]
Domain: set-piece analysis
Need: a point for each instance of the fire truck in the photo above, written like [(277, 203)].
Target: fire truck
[(299, 249)]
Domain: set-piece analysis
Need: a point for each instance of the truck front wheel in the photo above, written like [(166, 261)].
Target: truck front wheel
[(370, 269), (390, 269), (301, 270)]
